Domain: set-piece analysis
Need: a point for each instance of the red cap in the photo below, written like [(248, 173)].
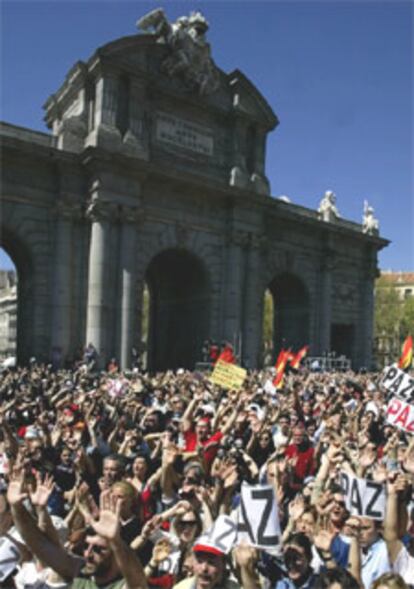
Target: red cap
[(207, 548)]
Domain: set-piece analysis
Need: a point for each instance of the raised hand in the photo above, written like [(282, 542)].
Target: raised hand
[(161, 551), (39, 496), (108, 525), (245, 555), (15, 490)]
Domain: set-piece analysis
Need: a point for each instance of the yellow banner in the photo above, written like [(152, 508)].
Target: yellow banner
[(228, 375)]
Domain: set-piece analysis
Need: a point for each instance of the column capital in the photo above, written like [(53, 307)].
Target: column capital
[(65, 208), (98, 210)]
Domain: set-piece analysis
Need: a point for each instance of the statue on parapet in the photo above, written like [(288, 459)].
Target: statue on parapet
[(370, 225), (189, 56), (327, 207)]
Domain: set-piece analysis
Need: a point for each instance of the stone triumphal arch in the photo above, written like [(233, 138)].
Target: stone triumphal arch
[(154, 174)]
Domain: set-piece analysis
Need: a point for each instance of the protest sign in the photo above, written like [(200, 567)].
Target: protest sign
[(363, 497), (401, 415), (221, 535), (228, 375), (398, 383), (258, 517)]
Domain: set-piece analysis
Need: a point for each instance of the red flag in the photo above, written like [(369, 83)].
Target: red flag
[(227, 355), (297, 358), (407, 354), (281, 362)]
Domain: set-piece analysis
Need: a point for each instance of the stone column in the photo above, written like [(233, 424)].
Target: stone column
[(62, 284), (99, 214), (325, 303), (253, 303), (366, 321), (128, 319), (233, 288)]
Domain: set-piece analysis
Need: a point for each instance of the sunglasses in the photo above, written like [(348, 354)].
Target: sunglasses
[(190, 481), (188, 523), (95, 548)]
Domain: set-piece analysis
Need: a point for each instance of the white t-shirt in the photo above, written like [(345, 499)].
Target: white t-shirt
[(404, 566)]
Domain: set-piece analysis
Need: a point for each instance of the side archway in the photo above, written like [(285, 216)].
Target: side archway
[(179, 309), (291, 311), (22, 260)]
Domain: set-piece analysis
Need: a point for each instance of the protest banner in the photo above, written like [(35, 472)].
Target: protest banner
[(222, 534), (398, 383), (258, 516), (363, 497), (401, 415), (228, 376)]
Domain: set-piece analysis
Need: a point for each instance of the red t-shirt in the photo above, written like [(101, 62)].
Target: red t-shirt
[(190, 438), (305, 466)]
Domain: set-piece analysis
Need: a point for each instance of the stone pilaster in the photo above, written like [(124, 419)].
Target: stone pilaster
[(128, 310), (238, 173), (105, 132), (366, 320), (325, 301), (62, 282), (258, 178), (253, 303), (136, 137), (100, 215)]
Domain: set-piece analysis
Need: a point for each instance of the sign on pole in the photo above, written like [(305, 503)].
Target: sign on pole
[(228, 376)]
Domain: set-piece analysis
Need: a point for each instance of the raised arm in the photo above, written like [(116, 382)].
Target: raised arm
[(49, 553), (108, 527)]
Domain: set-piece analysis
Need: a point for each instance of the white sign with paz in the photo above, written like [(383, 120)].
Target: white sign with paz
[(258, 516), (363, 498)]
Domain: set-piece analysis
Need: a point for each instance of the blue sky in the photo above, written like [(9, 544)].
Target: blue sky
[(338, 74)]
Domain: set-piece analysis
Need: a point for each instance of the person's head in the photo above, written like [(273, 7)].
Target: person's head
[(66, 456), (140, 467), (338, 511), (307, 522), (265, 440), (203, 428), (284, 423), (369, 531), (193, 478), (187, 527), (99, 559), (297, 554), (113, 469), (337, 578), (126, 493), (389, 581), (209, 566), (298, 435)]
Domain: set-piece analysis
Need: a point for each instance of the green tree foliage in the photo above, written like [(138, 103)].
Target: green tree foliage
[(388, 309), (407, 322), (268, 317)]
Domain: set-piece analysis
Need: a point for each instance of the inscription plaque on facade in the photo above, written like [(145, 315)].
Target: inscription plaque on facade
[(181, 133)]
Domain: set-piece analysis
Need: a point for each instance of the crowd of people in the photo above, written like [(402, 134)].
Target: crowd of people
[(122, 480)]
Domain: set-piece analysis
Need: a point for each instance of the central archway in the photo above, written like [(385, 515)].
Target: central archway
[(179, 310), (291, 312)]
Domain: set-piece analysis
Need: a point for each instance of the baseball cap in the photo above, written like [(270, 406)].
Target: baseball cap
[(205, 546)]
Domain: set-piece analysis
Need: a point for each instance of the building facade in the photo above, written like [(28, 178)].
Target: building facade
[(8, 313), (154, 174)]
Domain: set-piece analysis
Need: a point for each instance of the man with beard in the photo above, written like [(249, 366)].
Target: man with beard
[(108, 562)]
